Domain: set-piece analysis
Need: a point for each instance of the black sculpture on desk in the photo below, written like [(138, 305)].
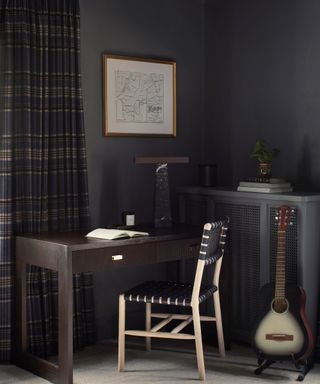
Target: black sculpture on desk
[(162, 206)]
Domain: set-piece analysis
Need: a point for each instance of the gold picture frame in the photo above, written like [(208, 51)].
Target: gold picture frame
[(139, 96)]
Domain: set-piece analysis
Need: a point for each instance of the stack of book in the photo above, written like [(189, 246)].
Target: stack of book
[(261, 185)]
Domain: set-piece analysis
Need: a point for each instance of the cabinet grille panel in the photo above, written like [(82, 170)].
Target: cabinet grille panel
[(244, 250), (291, 246), (250, 258)]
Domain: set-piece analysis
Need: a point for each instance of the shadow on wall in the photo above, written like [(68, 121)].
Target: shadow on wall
[(108, 205), (304, 180)]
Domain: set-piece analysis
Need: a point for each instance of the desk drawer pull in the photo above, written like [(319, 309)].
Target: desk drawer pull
[(117, 257)]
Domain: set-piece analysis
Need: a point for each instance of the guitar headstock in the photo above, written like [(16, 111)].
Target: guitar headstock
[(283, 217)]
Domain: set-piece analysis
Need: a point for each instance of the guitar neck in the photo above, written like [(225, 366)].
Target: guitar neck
[(280, 293), (284, 213)]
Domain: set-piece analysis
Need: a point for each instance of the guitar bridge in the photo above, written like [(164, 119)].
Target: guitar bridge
[(279, 337)]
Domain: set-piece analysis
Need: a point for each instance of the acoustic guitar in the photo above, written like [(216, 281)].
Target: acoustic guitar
[(282, 329)]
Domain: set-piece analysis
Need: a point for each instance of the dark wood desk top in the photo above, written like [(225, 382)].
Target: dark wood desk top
[(76, 240)]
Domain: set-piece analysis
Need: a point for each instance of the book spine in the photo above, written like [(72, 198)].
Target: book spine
[(264, 190), (264, 185), (272, 180)]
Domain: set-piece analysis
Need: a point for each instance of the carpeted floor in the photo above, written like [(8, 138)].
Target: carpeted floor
[(176, 364)]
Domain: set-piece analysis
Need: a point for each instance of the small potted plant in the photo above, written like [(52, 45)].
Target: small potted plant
[(265, 157)]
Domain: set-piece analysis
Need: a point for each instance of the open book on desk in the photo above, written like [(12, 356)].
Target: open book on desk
[(112, 234)]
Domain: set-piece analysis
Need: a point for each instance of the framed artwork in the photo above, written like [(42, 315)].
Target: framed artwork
[(139, 97)]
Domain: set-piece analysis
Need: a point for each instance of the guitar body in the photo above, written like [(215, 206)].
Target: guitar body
[(279, 336)]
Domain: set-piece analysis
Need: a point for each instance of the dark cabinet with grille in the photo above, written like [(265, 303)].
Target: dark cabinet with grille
[(253, 244)]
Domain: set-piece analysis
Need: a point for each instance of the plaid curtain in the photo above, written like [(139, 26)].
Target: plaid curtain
[(43, 174)]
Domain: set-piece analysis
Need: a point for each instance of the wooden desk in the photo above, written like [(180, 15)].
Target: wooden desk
[(71, 252)]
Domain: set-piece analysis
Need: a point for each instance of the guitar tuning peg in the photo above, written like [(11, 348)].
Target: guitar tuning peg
[(292, 210), (291, 223), (276, 217)]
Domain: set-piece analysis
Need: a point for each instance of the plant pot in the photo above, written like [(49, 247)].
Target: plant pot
[(265, 170)]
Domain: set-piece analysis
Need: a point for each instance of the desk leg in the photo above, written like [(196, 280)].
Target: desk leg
[(21, 308), (65, 375)]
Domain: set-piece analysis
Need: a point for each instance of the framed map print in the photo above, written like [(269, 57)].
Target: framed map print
[(139, 97)]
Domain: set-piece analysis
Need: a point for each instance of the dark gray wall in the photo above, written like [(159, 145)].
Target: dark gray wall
[(143, 28), (148, 28), (263, 81), (245, 70)]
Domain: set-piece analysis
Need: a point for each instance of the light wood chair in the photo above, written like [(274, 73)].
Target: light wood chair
[(185, 295)]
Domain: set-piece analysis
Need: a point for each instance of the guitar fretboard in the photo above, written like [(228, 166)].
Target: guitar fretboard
[(280, 304), (280, 293)]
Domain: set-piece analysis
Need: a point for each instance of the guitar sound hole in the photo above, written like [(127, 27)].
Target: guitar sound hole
[(280, 305)]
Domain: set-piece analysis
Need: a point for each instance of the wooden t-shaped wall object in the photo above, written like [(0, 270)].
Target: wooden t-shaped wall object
[(162, 206)]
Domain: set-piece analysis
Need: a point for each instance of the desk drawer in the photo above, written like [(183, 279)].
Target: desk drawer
[(178, 249), (113, 257)]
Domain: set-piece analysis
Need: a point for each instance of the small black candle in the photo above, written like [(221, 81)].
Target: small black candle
[(128, 218)]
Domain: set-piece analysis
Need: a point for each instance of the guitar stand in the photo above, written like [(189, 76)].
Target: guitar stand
[(306, 366), (303, 368), (263, 364)]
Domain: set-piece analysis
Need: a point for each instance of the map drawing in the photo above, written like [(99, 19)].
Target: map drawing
[(139, 97)]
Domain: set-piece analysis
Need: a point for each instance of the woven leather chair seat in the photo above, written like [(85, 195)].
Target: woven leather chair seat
[(169, 293)]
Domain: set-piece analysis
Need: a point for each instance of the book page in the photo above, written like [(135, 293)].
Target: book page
[(111, 234), (136, 233)]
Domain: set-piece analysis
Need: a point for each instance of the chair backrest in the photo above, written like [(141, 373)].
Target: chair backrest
[(212, 249)]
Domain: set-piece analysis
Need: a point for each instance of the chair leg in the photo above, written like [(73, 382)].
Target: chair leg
[(121, 338), (148, 326), (217, 310), (198, 341)]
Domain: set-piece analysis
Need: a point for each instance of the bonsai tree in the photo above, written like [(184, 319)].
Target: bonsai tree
[(262, 153)]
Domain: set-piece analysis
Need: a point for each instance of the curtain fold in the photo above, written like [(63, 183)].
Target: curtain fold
[(43, 171)]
